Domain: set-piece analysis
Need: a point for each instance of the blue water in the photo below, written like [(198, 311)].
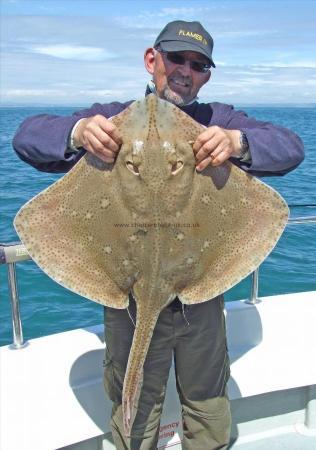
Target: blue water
[(48, 308)]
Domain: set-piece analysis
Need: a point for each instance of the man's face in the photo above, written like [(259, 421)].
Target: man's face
[(176, 83)]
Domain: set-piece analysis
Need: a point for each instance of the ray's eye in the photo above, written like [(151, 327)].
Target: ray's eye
[(132, 167), (172, 157), (136, 157)]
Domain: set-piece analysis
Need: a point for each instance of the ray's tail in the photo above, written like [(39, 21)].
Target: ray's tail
[(145, 324)]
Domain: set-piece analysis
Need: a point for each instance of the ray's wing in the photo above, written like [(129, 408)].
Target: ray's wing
[(68, 231), (239, 220)]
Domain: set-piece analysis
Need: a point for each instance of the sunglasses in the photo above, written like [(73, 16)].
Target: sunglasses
[(177, 58)]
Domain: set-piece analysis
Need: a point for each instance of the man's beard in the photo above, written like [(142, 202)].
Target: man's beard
[(173, 97)]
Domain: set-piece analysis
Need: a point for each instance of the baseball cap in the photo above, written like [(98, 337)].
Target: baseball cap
[(180, 36)]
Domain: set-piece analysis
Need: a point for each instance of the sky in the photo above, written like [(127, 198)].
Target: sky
[(76, 52)]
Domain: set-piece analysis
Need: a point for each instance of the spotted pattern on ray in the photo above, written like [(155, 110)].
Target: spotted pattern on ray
[(151, 225)]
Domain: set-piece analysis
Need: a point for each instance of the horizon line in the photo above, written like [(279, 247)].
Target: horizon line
[(85, 105)]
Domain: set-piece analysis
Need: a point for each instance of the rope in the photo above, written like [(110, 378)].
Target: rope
[(130, 316), (184, 316)]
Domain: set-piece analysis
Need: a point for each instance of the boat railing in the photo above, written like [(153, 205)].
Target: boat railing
[(12, 253)]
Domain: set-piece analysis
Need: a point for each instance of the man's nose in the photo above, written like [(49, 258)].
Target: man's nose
[(185, 68)]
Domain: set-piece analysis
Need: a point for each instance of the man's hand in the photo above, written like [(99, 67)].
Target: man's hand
[(215, 145), (99, 136)]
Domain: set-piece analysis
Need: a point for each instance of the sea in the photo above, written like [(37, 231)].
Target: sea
[(48, 308)]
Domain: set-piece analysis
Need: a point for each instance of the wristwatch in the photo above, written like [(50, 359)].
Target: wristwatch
[(244, 145)]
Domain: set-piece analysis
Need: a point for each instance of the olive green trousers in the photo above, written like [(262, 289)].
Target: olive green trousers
[(195, 337)]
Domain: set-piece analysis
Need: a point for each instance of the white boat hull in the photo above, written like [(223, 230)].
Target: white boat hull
[(52, 393)]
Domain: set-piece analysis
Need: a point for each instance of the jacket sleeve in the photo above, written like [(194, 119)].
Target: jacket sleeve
[(42, 140), (274, 150)]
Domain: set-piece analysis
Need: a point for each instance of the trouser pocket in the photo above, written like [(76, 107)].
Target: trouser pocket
[(112, 382)]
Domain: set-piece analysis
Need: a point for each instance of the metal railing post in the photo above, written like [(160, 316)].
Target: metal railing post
[(254, 300), (18, 341)]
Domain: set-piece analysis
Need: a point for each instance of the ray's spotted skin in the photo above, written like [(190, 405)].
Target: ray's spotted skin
[(152, 225)]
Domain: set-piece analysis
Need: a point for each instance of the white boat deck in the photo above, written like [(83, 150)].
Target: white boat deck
[(287, 441), (52, 395)]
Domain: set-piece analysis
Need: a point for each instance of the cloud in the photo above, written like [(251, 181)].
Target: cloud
[(32, 93), (261, 57), (63, 96), (268, 66), (296, 64), (60, 93), (157, 18), (236, 34), (80, 53), (184, 11)]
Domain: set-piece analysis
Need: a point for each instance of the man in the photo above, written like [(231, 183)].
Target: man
[(180, 63)]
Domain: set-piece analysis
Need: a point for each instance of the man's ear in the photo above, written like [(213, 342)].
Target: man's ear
[(149, 60)]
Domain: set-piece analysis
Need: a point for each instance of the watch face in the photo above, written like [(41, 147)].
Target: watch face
[(244, 142)]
